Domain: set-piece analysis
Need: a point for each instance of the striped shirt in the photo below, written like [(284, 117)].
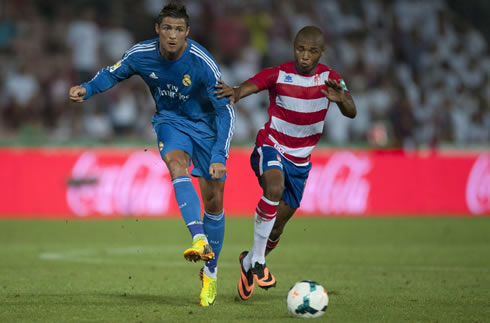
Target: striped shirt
[(297, 109)]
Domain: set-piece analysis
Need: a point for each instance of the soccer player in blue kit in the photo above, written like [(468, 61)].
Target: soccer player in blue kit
[(191, 123)]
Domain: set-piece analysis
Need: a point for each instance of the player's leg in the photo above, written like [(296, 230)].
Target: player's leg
[(214, 217), (272, 182), (272, 185), (214, 228), (284, 213), (177, 162), (176, 150), (294, 186)]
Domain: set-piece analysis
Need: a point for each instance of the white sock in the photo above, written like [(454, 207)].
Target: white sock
[(208, 273), (199, 236), (262, 230), (247, 261)]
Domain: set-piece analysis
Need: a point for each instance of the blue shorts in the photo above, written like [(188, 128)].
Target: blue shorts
[(197, 146), (267, 157)]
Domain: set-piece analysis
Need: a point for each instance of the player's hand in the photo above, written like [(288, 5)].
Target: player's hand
[(77, 93), (217, 170), (335, 92), (225, 91)]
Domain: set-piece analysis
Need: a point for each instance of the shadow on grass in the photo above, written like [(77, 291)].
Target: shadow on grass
[(147, 299), (122, 298), (262, 307)]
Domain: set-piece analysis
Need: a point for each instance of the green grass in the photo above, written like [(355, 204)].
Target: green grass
[(132, 270)]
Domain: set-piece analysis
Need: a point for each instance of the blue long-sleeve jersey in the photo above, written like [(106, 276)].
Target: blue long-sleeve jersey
[(183, 90)]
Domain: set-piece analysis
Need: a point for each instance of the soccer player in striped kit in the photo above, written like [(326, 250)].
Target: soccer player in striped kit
[(300, 93), (191, 123)]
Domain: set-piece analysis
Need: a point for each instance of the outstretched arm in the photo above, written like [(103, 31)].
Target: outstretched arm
[(344, 100), (103, 80), (237, 92)]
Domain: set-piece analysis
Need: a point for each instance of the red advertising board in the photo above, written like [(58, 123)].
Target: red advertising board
[(116, 182)]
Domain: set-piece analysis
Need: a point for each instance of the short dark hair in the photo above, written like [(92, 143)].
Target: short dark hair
[(311, 32), (174, 10)]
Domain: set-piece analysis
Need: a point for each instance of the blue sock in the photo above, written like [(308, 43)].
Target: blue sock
[(214, 227), (189, 204)]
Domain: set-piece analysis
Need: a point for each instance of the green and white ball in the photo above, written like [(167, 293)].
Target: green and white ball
[(307, 299)]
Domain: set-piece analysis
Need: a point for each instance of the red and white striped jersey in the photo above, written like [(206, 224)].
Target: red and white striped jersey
[(297, 109)]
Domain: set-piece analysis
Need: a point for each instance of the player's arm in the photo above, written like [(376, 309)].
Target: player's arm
[(336, 93), (103, 81), (237, 92), (226, 126), (265, 79), (225, 115)]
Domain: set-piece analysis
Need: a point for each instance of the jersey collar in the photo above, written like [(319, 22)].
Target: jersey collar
[(166, 61)]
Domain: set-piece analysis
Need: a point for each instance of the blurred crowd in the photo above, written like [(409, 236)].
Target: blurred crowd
[(419, 71)]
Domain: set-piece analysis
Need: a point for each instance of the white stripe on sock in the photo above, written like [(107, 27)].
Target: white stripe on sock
[(266, 200)]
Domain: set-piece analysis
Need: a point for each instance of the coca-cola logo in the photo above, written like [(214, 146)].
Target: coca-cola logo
[(140, 185), (478, 186), (339, 186)]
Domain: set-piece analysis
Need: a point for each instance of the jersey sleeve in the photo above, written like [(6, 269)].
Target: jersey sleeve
[(225, 115), (265, 78), (333, 75), (107, 77)]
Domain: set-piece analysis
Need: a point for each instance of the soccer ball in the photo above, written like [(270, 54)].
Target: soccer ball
[(307, 299)]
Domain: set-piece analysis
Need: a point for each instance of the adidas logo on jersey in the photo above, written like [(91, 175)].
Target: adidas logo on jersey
[(153, 76)]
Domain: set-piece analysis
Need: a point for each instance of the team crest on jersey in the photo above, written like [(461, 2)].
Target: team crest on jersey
[(317, 79), (115, 66), (187, 80), (160, 146), (288, 78)]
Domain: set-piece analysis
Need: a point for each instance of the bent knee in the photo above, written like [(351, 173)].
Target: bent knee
[(177, 168), (213, 204)]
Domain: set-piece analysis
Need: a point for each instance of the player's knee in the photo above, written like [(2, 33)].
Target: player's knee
[(273, 191), (177, 168), (212, 197), (213, 205)]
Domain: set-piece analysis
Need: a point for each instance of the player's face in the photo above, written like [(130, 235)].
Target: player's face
[(172, 33), (307, 53)]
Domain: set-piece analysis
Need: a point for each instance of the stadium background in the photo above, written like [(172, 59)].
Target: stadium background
[(413, 167), (419, 70)]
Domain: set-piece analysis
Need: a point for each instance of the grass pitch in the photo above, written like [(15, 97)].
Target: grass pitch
[(132, 270)]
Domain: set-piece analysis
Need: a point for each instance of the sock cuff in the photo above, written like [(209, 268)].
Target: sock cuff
[(265, 216), (194, 222), (199, 236), (209, 273), (266, 209), (271, 244), (181, 179), (266, 200), (214, 217)]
